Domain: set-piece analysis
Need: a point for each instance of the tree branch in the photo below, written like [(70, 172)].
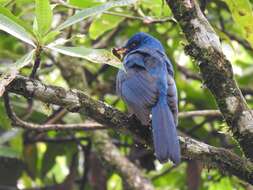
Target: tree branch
[(16, 121), (110, 154), (103, 145), (204, 46), (76, 101), (204, 113)]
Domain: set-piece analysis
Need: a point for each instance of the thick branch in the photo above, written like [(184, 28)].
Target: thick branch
[(216, 70), (112, 156), (77, 101), (103, 145)]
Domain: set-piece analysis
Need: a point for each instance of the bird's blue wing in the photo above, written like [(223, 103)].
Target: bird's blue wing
[(137, 88), (147, 85), (172, 98), (135, 59)]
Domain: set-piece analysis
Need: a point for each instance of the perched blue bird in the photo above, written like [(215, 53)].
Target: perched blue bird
[(148, 87)]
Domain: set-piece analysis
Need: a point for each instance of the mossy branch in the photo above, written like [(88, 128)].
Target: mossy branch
[(77, 101), (204, 46)]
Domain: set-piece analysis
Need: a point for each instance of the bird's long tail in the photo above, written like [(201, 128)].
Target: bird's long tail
[(165, 137)]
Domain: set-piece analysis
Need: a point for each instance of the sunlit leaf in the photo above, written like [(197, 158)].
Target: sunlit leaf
[(49, 156), (50, 37), (114, 183), (3, 1), (83, 4), (243, 16), (223, 183), (102, 24), (7, 13), (43, 15), (10, 26), (94, 55), (9, 72), (79, 16)]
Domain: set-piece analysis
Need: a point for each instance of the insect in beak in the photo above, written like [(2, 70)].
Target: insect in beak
[(119, 52)]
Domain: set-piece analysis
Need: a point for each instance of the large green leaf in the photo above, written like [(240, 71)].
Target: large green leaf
[(102, 24), (9, 25), (44, 16), (79, 16), (83, 4), (10, 71), (243, 16), (3, 1), (94, 55), (25, 60), (7, 13)]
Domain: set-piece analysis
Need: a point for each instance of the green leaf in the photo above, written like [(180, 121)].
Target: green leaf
[(44, 16), (8, 135), (102, 24), (3, 1), (83, 4), (5, 121), (243, 16), (114, 182), (11, 70), (79, 16), (48, 160), (50, 37), (20, 22), (9, 25), (9, 152), (25, 60), (94, 55)]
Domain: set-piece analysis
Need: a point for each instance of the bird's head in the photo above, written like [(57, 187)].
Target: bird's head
[(138, 41)]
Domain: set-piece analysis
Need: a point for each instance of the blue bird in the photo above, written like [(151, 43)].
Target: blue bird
[(147, 86)]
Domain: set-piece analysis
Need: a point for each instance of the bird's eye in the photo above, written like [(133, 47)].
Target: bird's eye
[(133, 45)]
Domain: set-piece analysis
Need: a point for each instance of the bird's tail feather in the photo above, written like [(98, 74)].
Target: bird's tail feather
[(165, 137)]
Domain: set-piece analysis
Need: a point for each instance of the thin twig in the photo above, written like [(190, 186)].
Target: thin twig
[(146, 19), (55, 139), (56, 116), (36, 63), (16, 121), (204, 113)]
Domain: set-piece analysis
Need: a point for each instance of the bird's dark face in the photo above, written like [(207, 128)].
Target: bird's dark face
[(139, 40)]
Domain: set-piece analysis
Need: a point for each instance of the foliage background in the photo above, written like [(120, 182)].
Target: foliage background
[(33, 159)]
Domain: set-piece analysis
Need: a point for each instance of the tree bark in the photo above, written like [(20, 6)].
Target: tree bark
[(76, 101), (204, 46)]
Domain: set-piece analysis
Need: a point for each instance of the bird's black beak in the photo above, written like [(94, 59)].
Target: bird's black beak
[(119, 52)]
